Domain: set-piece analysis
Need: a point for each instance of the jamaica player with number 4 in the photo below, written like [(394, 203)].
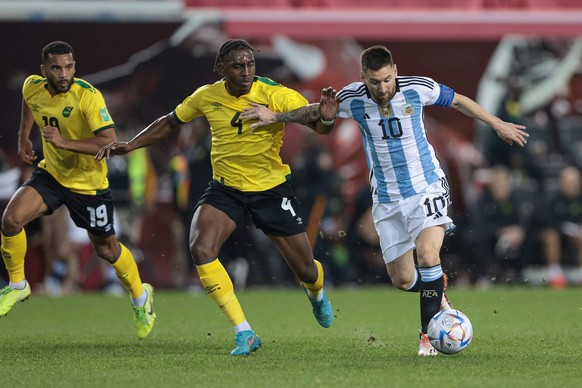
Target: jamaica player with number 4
[(75, 124), (249, 177)]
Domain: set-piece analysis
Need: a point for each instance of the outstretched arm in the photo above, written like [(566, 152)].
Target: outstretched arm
[(319, 116), (159, 130), (508, 132)]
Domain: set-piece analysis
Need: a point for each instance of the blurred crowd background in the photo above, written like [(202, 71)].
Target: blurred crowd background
[(518, 211)]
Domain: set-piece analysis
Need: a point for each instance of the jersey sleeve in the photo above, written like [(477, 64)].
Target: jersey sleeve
[(285, 100), (96, 112), (344, 111), (440, 95), (189, 109), (346, 96), (28, 85)]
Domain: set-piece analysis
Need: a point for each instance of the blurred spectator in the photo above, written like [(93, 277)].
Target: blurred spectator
[(61, 253), (195, 142), (317, 189), (499, 221), (10, 178), (331, 246), (364, 243), (561, 221), (518, 159)]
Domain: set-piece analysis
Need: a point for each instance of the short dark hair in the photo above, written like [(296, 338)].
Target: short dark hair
[(230, 45), (375, 58), (58, 47)]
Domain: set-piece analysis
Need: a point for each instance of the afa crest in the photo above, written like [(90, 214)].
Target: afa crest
[(408, 110)]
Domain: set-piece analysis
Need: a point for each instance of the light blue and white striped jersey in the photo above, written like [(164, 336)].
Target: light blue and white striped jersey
[(401, 161)]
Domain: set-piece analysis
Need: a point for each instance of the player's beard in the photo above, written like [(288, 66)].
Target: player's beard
[(385, 99), (59, 87)]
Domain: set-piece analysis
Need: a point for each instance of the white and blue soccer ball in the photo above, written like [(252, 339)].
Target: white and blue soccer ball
[(450, 331)]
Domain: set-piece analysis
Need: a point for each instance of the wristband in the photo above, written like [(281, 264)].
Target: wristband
[(326, 122)]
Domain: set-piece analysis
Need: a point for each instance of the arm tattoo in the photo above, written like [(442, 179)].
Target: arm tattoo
[(305, 114)]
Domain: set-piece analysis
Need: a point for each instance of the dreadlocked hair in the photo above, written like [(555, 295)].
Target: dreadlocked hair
[(230, 45)]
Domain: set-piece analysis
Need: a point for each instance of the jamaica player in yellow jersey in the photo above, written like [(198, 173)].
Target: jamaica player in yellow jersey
[(249, 177), (75, 124)]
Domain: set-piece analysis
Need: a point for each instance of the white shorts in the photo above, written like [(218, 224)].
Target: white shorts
[(399, 223)]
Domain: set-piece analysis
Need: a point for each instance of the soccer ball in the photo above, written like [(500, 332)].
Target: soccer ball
[(450, 331)]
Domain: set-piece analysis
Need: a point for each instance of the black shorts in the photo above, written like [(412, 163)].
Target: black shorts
[(276, 211), (91, 212)]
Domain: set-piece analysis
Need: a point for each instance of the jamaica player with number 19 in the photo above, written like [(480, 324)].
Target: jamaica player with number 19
[(75, 124)]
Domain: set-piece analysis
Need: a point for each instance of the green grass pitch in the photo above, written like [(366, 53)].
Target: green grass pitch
[(523, 337)]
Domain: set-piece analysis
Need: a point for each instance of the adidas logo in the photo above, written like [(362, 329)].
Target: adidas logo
[(438, 214)]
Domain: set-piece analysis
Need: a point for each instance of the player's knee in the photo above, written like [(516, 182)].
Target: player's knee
[(401, 281), (428, 257), (203, 253), (108, 252), (11, 223)]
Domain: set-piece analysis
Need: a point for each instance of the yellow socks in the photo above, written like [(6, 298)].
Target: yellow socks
[(126, 270), (219, 286), (315, 289), (13, 252)]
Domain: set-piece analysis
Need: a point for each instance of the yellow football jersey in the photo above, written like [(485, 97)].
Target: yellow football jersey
[(243, 158), (79, 114)]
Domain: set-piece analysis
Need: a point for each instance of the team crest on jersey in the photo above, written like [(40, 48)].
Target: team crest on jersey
[(105, 114), (386, 111), (67, 111), (216, 106), (408, 109)]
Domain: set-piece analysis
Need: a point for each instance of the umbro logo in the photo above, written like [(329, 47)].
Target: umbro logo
[(35, 107), (216, 105), (212, 288)]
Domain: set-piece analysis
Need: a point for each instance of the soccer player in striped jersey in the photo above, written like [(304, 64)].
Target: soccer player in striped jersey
[(75, 124), (249, 177), (409, 188)]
